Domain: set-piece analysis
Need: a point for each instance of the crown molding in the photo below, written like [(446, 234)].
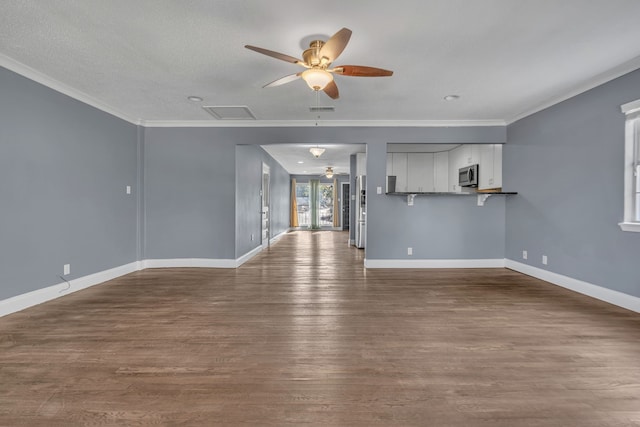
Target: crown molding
[(318, 123), (39, 77), (631, 107), (35, 75), (592, 83)]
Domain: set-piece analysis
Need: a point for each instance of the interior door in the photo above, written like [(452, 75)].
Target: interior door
[(345, 206), (265, 213)]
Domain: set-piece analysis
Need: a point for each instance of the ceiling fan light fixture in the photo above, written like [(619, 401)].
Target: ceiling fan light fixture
[(329, 172), (316, 151), (316, 78)]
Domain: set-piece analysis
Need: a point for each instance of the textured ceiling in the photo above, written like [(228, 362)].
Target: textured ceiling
[(141, 59)]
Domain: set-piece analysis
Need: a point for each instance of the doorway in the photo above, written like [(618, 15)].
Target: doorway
[(265, 213)]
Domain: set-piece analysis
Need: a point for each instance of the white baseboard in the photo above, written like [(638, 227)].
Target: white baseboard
[(246, 257), (608, 295), (207, 262), (39, 296), (279, 236), (434, 263), (20, 302), (187, 263)]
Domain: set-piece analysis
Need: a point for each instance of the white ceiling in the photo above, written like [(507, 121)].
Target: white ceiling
[(336, 155), (141, 59)]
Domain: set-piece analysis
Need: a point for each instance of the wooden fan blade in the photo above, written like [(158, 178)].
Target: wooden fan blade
[(331, 89), (335, 45), (283, 80), (362, 71), (276, 55)]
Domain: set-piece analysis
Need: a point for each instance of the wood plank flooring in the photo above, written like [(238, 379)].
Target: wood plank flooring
[(303, 335)]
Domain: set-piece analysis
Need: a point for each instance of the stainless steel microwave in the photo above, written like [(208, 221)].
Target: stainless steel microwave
[(468, 176)]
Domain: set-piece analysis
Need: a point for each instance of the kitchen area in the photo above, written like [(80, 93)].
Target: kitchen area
[(430, 204)]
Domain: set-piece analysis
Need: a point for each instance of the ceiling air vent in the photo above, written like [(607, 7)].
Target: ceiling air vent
[(230, 112), (328, 109)]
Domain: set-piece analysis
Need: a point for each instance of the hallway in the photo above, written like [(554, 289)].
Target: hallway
[(303, 335)]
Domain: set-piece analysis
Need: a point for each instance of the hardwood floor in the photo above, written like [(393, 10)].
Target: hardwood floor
[(303, 335)]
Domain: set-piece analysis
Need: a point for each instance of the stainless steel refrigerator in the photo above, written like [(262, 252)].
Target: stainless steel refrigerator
[(361, 211)]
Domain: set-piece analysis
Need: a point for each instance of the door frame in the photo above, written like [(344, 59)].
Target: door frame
[(265, 202)]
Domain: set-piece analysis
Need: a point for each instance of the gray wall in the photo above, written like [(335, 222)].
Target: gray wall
[(189, 194), (280, 196), (190, 186), (192, 177), (566, 162), (249, 159), (64, 167), (436, 227)]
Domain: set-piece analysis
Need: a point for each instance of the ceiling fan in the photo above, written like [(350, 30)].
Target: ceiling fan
[(330, 172), (317, 60)]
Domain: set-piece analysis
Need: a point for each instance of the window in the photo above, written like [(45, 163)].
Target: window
[(302, 199), (323, 205), (632, 167), (326, 205)]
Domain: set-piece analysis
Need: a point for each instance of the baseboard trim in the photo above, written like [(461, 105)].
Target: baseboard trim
[(246, 257), (434, 263), (188, 263), (620, 299), (208, 262), (279, 236), (39, 296)]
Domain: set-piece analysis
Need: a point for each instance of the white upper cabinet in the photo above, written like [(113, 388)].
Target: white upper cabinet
[(399, 169), (472, 153), (438, 171), (441, 171), (457, 159), (420, 172), (497, 166), (490, 167)]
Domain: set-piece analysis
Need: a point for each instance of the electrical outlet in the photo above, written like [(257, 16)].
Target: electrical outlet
[(544, 259), (128, 189), (66, 269), (379, 190), (524, 255), (252, 237), (409, 251)]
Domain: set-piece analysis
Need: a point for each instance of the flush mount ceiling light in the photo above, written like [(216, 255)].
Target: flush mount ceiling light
[(194, 98), (316, 151), (451, 97), (329, 172)]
